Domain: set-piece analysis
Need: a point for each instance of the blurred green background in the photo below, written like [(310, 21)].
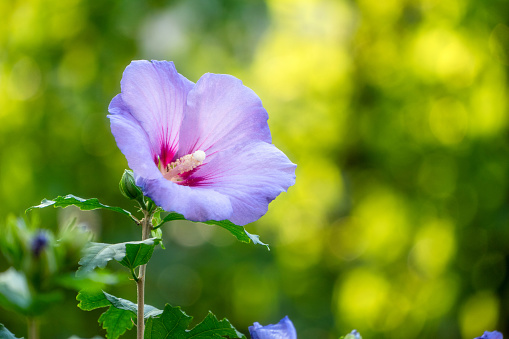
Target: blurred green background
[(395, 112)]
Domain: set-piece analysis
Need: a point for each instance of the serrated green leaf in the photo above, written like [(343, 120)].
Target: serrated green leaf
[(137, 254), (173, 323), (98, 254), (90, 300), (238, 232), (121, 314), (6, 334), (82, 204), (116, 322), (123, 304), (210, 327)]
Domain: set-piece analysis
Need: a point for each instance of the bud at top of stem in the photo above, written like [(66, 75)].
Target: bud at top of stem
[(129, 189), (39, 242)]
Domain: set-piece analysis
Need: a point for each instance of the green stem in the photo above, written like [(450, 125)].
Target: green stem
[(146, 224), (33, 328)]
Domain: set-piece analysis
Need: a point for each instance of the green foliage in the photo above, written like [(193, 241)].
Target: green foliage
[(170, 323), (238, 232), (173, 323), (116, 322), (14, 291), (130, 254), (90, 300), (6, 334), (41, 264), (82, 204), (137, 254), (210, 327), (158, 233), (16, 295), (148, 311), (121, 314)]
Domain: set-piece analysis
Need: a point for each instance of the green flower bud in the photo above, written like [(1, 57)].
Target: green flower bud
[(129, 189), (150, 204)]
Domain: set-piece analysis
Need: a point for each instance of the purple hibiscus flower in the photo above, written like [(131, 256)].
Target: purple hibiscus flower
[(202, 150), (491, 335), (282, 330)]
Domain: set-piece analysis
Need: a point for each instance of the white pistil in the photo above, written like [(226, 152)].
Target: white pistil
[(185, 164), (199, 155)]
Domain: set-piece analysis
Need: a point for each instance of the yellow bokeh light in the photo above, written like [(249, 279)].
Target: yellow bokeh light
[(24, 80), (78, 67), (434, 247), (366, 299), (478, 314), (304, 51), (489, 104), (384, 12), (344, 239), (382, 218), (299, 215), (437, 296), (448, 120), (442, 54), (362, 295)]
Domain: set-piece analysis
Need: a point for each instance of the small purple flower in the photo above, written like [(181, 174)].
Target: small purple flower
[(282, 330), (491, 335), (202, 150), (39, 242)]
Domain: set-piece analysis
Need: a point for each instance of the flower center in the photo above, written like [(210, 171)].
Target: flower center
[(176, 169)]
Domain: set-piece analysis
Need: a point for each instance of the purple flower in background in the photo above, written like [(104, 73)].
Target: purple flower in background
[(353, 335), (282, 330), (202, 150), (39, 242), (491, 335)]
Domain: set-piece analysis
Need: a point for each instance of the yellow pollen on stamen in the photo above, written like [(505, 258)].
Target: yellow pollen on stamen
[(185, 164)]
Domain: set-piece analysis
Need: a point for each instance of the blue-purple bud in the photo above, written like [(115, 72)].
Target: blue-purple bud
[(491, 335), (282, 330), (39, 242)]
